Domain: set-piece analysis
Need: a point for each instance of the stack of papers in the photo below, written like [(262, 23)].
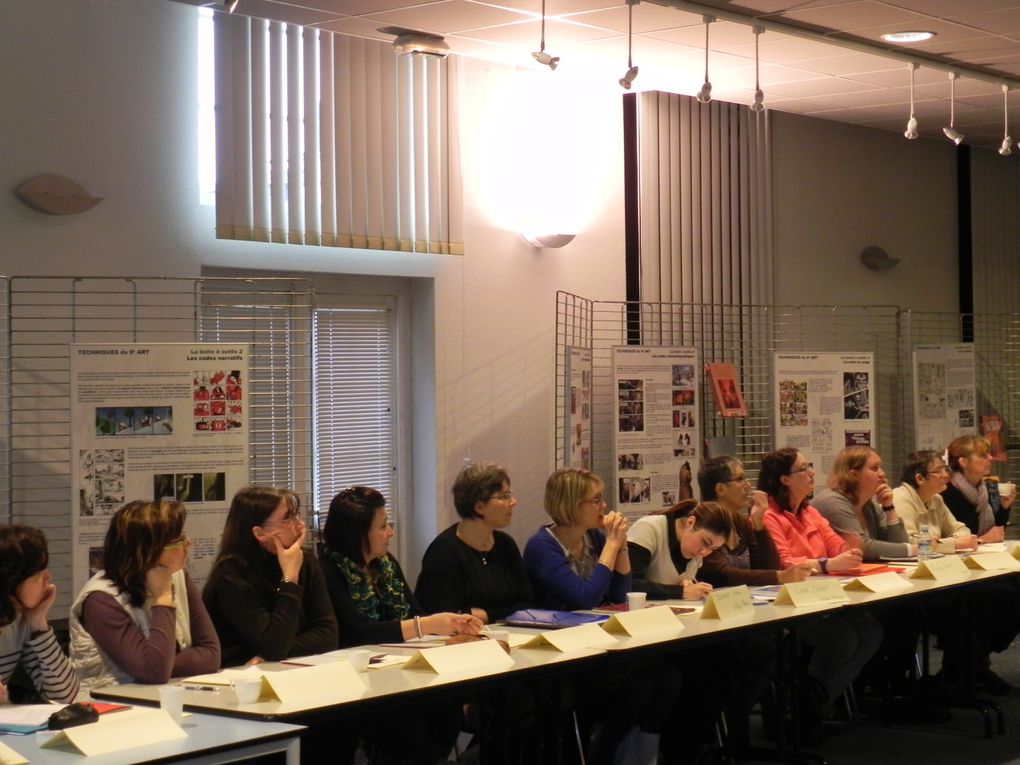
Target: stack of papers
[(25, 718)]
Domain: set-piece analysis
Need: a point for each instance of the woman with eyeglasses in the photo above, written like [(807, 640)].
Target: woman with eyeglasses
[(666, 549), (266, 597), (842, 643), (371, 598), (27, 594), (860, 507), (918, 501), (969, 495), (141, 619), (474, 567)]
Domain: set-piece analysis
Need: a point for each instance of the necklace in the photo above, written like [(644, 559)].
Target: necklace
[(483, 554)]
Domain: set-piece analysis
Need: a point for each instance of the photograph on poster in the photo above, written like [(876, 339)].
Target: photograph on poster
[(686, 475), (101, 481), (683, 375), (217, 394), (134, 421), (635, 490), (793, 408), (683, 397), (630, 462)]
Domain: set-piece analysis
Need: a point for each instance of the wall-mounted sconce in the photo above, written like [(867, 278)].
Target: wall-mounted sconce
[(876, 259), (55, 195), (550, 241)]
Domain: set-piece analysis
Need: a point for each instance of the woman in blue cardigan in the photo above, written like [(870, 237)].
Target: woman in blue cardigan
[(580, 560)]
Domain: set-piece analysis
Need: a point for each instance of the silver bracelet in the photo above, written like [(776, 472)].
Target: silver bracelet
[(417, 626)]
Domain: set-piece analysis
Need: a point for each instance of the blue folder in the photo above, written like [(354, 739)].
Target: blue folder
[(539, 617)]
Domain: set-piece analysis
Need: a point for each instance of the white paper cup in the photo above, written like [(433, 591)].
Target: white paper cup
[(1006, 489), (247, 691), (359, 658), (171, 699), (635, 601)]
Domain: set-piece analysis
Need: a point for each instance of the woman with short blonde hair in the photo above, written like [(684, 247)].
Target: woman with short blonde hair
[(969, 496)]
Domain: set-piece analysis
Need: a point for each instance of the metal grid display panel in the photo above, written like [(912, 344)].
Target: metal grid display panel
[(6, 513), (47, 314), (745, 336)]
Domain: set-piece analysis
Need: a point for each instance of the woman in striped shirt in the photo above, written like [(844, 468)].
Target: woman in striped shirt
[(26, 595)]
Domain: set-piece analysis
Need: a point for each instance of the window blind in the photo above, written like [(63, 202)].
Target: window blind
[(354, 401), (326, 139)]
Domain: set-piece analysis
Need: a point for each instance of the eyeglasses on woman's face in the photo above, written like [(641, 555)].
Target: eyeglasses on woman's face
[(290, 517), (807, 467), (937, 468), (737, 479), (506, 496), (598, 499)]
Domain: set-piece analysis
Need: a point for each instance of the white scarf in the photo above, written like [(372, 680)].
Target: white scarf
[(977, 496)]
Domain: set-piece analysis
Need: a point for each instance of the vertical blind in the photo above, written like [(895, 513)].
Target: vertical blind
[(355, 391), (326, 139)]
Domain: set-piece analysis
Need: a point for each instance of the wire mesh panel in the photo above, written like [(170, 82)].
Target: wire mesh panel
[(745, 336), (5, 404), (48, 314)]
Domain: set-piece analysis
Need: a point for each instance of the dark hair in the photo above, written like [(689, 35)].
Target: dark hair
[(917, 463), (475, 483), (715, 470), (713, 517), (249, 508), (774, 466), (350, 519), (23, 553), (135, 540)]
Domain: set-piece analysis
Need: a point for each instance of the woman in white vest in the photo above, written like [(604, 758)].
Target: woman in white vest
[(141, 619)]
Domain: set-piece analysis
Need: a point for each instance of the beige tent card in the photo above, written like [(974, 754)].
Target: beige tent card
[(123, 730), (728, 603), (993, 561), (9, 757), (337, 680), (812, 592), (643, 622), (941, 569), (572, 638), (463, 657), (888, 581)]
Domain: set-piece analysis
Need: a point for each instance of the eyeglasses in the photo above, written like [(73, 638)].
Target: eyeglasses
[(807, 466), (598, 499), (178, 543), (737, 479), (289, 517), (506, 496), (936, 469)]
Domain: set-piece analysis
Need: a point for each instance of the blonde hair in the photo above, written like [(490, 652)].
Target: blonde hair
[(966, 446), (565, 490), (841, 477)]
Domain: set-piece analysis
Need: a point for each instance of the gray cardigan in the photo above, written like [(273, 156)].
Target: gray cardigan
[(878, 539)]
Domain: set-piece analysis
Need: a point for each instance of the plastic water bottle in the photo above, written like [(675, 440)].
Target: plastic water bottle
[(923, 543)]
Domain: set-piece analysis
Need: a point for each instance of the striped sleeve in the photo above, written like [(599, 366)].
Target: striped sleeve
[(49, 668)]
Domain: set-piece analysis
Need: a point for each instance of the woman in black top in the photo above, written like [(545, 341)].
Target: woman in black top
[(967, 497)]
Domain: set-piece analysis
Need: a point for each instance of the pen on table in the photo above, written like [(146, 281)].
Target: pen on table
[(199, 687)]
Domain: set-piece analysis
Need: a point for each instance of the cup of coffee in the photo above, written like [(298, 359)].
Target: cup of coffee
[(171, 699), (635, 601), (1007, 489)]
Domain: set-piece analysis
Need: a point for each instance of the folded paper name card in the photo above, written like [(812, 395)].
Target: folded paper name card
[(9, 757), (728, 603), (643, 622), (940, 569), (812, 592), (993, 561), (463, 657), (572, 638), (338, 680), (114, 733), (886, 582)]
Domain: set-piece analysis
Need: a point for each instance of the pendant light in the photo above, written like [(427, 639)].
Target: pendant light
[(540, 55), (911, 131), (1007, 142), (951, 132), (632, 71), (758, 104), (705, 94)]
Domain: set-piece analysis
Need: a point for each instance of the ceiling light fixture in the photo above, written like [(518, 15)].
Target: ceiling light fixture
[(1007, 142), (705, 94), (409, 42), (540, 55), (628, 79), (911, 131), (907, 37), (230, 5), (951, 132), (758, 104)]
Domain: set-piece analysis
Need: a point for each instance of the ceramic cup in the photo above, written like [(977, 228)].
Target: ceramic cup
[(247, 691)]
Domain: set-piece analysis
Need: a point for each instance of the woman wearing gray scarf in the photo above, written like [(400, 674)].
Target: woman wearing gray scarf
[(967, 496)]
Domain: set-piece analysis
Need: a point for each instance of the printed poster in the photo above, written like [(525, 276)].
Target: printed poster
[(656, 434), (944, 394), (824, 402), (577, 425), (154, 420)]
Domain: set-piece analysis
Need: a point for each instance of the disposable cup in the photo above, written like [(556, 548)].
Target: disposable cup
[(247, 691), (635, 601), (171, 699)]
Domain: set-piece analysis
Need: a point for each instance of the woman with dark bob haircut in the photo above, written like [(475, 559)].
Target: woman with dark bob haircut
[(371, 597), (141, 619), (266, 597), (474, 567), (26, 595)]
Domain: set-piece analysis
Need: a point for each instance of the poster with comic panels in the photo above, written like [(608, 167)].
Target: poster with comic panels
[(577, 412), (945, 386), (823, 403), (656, 430), (152, 421)]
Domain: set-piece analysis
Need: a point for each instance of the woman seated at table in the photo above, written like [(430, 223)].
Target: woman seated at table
[(473, 567), (918, 501), (27, 594), (970, 461), (666, 549), (266, 597), (859, 506), (842, 642), (141, 619), (371, 598), (581, 559), (749, 555)]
